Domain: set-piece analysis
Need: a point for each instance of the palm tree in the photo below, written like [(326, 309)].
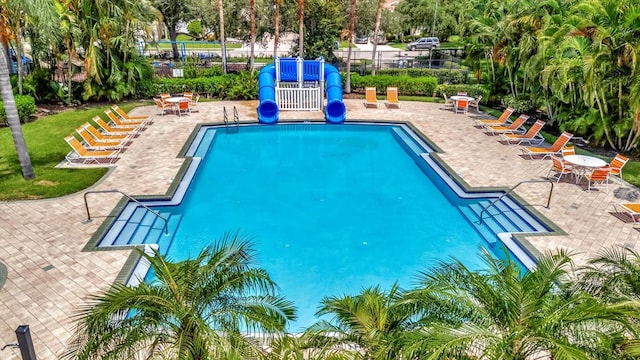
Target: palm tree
[(375, 36), (252, 18), (301, 28), (372, 320), (352, 26), (501, 313), (614, 274), (276, 31), (223, 45), (12, 116), (193, 309)]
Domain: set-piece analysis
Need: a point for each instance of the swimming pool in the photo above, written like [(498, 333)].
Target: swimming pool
[(332, 208)]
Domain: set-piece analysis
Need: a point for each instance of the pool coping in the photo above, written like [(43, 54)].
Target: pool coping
[(132, 261)]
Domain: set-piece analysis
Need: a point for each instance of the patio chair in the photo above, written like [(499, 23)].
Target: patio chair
[(554, 149), (558, 169), (193, 104), (94, 144), (188, 95), (183, 107), (462, 106), (514, 127), (566, 151), (598, 176), (79, 152), (370, 97), (392, 97), (103, 136), (530, 137), (162, 106), (631, 209), (448, 103), (501, 121), (114, 130), (617, 164), (461, 93), (144, 118), (476, 103), (120, 123), (164, 96)]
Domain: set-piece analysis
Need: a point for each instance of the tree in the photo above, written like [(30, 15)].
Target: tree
[(252, 35), (193, 309), (173, 11), (352, 25), (500, 313), (276, 31), (301, 28), (12, 116), (223, 45), (375, 36), (372, 319)]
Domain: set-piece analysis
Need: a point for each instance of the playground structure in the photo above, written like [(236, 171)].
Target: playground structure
[(296, 84)]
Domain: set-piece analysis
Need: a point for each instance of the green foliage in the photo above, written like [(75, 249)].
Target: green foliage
[(444, 76), (244, 86), (520, 104), (241, 86), (195, 29), (406, 85), (26, 107), (473, 90)]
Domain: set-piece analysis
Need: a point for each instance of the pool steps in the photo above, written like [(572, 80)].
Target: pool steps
[(137, 226)]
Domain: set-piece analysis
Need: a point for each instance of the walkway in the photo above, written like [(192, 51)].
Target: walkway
[(41, 241)]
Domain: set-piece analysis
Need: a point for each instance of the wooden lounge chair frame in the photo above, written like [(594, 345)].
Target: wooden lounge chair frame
[(86, 155), (370, 97), (554, 149), (392, 97), (532, 136)]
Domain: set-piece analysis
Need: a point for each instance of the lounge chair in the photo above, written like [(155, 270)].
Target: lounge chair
[(558, 169), (104, 136), (554, 149), (598, 176), (513, 128), (370, 97), (121, 123), (79, 152), (530, 137), (115, 130), (162, 106), (448, 103), (631, 209), (617, 164), (95, 144), (501, 121), (127, 117), (392, 97)]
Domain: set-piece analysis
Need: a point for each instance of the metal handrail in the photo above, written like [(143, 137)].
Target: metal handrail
[(236, 118), (511, 190), (86, 205), (226, 117)]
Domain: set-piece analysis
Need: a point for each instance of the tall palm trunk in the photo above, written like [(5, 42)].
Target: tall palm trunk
[(223, 46), (19, 58), (375, 37), (352, 26), (12, 116), (301, 28), (252, 17), (276, 31)]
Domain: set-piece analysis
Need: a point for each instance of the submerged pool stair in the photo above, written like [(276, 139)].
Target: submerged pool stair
[(137, 226)]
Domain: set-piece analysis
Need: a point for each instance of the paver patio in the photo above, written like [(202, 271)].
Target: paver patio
[(49, 277)]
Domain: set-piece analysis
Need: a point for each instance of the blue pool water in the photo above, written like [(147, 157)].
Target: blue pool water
[(331, 209)]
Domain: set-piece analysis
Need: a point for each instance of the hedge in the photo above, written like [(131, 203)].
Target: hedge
[(444, 76), (406, 85), (242, 86), (472, 90), (26, 107)]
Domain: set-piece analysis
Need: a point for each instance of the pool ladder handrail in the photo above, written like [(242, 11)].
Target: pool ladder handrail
[(236, 118), (481, 218), (86, 205)]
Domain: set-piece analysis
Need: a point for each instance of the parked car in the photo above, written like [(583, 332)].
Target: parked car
[(424, 43), (381, 40), (363, 39)]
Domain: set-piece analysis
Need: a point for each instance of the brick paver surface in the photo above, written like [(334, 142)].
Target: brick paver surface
[(49, 277)]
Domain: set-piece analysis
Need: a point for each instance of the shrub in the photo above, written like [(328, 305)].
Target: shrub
[(444, 76), (519, 104), (473, 90), (406, 85), (26, 107), (240, 86)]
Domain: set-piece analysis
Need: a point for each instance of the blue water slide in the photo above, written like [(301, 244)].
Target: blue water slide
[(335, 112), (268, 111)]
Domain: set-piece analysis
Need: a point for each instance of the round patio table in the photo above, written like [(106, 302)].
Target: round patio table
[(584, 163)]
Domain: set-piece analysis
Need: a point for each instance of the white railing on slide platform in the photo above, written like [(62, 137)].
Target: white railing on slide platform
[(299, 98)]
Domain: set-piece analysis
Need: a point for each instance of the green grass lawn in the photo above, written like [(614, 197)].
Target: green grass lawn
[(47, 148)]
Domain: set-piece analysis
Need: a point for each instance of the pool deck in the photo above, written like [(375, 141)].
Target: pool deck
[(41, 241)]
